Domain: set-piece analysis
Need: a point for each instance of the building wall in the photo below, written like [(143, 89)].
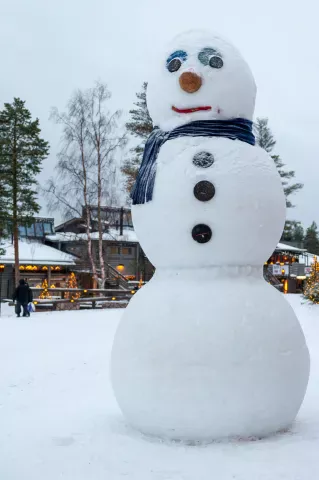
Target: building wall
[(6, 282), (114, 253)]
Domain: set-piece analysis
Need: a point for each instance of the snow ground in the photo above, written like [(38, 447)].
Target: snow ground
[(59, 418)]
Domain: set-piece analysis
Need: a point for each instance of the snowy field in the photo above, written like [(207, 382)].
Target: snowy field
[(59, 418)]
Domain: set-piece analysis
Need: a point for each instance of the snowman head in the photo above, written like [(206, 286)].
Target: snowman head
[(200, 76)]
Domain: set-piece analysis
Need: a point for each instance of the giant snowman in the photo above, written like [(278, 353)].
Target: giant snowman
[(207, 349)]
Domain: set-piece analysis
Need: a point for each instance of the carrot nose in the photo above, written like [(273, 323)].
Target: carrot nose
[(190, 82)]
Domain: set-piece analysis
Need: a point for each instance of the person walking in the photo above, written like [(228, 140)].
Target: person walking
[(22, 296)]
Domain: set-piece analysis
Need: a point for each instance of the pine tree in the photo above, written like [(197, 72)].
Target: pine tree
[(72, 283), (264, 136), (265, 139), (140, 125), (298, 233), (311, 242), (293, 232), (3, 207), (21, 152), (45, 292), (311, 291), (4, 197)]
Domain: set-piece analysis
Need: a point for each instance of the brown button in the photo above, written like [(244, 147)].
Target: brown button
[(204, 191), (190, 82)]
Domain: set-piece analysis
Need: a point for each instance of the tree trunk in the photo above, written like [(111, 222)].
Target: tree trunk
[(16, 254), (89, 244), (88, 219), (86, 205), (15, 229), (99, 198)]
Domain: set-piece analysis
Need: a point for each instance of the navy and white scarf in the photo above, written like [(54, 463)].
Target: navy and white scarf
[(235, 129)]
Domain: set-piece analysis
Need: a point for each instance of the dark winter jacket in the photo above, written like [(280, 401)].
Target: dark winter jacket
[(23, 293)]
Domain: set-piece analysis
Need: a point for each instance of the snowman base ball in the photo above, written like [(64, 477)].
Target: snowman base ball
[(225, 360)]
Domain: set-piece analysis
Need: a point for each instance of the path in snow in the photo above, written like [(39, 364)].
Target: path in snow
[(59, 418)]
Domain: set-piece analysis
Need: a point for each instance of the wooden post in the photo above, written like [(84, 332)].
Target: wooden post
[(49, 276), (137, 270), (121, 220)]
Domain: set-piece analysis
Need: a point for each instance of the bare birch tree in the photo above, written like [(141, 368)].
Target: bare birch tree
[(101, 128), (86, 164)]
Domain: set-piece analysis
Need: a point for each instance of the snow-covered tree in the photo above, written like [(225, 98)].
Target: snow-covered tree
[(140, 126), (265, 139)]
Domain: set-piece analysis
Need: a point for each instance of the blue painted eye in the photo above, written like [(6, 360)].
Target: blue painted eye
[(210, 56), (174, 61)]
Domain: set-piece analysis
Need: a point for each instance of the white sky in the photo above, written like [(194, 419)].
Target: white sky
[(51, 48)]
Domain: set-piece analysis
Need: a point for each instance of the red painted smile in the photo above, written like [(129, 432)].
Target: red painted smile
[(190, 110)]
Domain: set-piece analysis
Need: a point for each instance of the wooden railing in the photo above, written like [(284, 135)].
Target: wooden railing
[(118, 277), (109, 291), (88, 296)]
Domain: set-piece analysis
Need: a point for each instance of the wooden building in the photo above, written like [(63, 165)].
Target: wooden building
[(121, 250), (288, 265), (36, 263)]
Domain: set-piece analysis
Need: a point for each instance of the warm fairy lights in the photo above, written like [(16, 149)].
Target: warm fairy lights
[(286, 286), (72, 283), (45, 292), (311, 291), (29, 268)]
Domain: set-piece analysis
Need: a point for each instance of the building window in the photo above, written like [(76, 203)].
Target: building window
[(114, 250), (22, 231), (39, 229), (47, 228), (30, 231), (127, 250)]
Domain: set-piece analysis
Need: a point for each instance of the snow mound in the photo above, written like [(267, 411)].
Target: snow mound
[(59, 418)]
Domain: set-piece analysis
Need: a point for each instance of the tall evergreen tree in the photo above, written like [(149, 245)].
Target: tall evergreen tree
[(265, 139), (21, 152), (3, 204), (312, 239), (287, 234), (264, 136), (293, 232), (298, 233), (140, 125)]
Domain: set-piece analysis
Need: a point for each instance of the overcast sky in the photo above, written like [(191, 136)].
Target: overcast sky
[(48, 49)]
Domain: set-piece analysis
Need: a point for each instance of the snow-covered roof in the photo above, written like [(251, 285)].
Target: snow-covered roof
[(307, 258), (113, 234), (36, 253), (289, 248)]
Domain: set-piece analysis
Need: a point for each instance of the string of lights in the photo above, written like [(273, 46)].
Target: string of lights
[(311, 291)]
